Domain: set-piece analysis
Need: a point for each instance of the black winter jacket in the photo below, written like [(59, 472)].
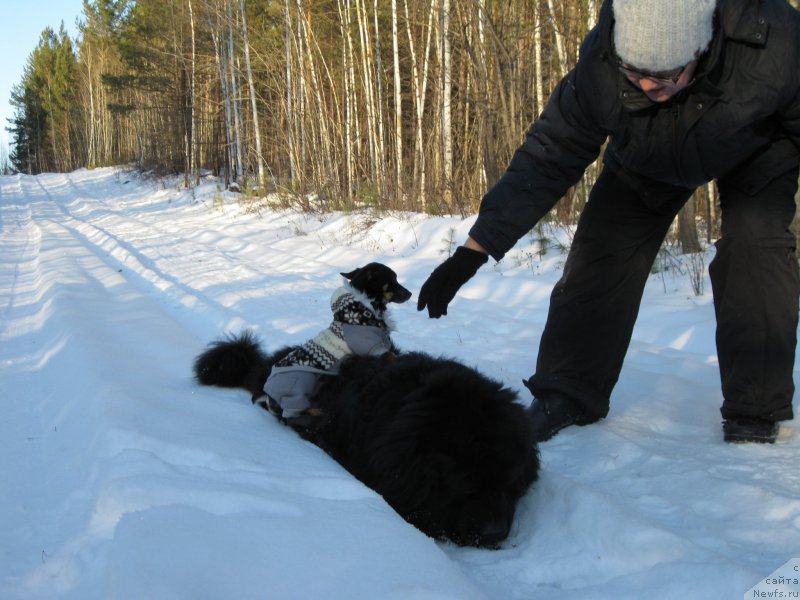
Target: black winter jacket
[(738, 121)]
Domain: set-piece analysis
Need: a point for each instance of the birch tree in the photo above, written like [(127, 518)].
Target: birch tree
[(420, 85), (193, 173), (446, 91), (262, 175), (398, 107), (234, 95), (561, 47)]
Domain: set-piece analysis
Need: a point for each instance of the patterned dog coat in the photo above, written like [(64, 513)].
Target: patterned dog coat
[(357, 328)]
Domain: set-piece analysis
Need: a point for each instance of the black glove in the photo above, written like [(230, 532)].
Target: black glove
[(447, 278)]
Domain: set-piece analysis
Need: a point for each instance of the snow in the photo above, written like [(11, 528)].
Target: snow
[(122, 478)]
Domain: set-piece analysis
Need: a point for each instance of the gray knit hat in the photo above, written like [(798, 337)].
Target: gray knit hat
[(659, 35)]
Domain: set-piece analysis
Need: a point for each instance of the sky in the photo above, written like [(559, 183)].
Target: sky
[(19, 34)]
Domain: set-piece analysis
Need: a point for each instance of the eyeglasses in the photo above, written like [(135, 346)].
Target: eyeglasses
[(666, 77)]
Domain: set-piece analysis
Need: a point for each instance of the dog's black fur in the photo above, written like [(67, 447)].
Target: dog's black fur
[(448, 448)]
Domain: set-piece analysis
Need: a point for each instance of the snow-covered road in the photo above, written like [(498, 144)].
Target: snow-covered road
[(124, 479)]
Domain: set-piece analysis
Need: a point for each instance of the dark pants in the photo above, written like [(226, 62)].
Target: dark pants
[(755, 283)]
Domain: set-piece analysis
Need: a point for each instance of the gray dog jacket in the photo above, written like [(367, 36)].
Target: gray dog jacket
[(357, 328)]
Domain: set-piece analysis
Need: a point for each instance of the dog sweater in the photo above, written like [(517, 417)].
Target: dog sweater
[(357, 328)]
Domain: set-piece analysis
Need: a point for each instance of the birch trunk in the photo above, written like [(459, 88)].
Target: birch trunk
[(561, 48), (369, 89), (487, 123), (91, 157), (381, 135), (300, 104), (420, 86), (537, 57), (262, 175), (221, 62), (322, 151), (591, 17), (398, 109), (234, 97), (194, 172), (446, 84), (290, 117), (349, 178)]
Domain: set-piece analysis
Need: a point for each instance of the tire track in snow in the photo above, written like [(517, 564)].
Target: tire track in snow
[(62, 430), (117, 233), (20, 239), (124, 257)]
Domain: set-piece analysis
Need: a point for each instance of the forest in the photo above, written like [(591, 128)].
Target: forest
[(410, 105)]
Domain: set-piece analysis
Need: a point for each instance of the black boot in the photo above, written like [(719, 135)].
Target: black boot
[(553, 412), (750, 429)]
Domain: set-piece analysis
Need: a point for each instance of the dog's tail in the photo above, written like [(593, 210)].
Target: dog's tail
[(236, 362)]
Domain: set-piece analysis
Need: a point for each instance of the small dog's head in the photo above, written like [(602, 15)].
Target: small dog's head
[(379, 283)]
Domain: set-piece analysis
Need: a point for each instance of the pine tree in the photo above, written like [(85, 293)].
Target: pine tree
[(44, 104)]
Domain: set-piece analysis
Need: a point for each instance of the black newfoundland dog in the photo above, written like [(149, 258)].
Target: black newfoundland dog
[(448, 448)]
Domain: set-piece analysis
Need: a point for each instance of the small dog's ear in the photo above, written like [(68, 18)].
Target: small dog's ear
[(349, 276)]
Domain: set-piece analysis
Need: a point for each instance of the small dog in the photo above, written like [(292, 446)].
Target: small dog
[(448, 448), (360, 326)]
